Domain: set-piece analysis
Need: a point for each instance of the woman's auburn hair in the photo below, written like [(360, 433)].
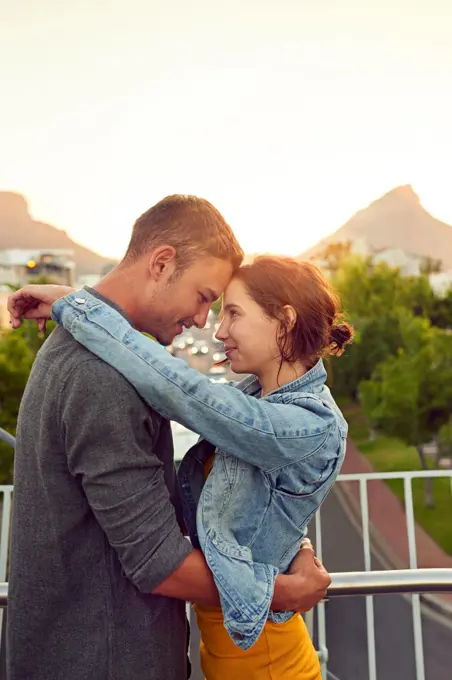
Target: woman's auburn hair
[(274, 282)]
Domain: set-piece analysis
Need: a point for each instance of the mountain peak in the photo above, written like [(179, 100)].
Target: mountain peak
[(404, 193), (397, 220), (13, 207)]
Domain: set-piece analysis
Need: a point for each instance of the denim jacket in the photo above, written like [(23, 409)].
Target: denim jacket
[(276, 458)]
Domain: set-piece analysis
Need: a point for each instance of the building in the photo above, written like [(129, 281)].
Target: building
[(19, 266), (409, 265), (441, 282)]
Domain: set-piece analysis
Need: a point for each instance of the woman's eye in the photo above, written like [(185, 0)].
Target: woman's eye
[(203, 299)]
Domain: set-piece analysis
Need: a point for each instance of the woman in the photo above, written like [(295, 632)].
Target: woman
[(271, 448)]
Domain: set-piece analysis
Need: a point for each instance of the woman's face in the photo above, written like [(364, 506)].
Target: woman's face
[(249, 336)]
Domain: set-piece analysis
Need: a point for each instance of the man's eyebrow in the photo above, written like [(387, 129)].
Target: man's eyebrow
[(213, 296)]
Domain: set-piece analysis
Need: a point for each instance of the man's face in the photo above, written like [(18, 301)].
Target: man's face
[(182, 300)]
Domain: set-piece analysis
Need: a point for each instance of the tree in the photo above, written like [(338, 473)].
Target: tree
[(38, 280), (430, 265), (418, 295), (335, 254), (368, 289), (441, 310), (445, 440), (410, 394), (17, 352), (15, 363), (379, 302), (376, 338)]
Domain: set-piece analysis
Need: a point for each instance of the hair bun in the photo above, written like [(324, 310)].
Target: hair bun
[(341, 334)]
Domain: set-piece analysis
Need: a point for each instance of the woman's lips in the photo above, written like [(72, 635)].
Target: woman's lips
[(229, 351)]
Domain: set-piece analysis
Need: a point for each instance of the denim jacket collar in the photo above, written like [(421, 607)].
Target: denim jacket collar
[(315, 378)]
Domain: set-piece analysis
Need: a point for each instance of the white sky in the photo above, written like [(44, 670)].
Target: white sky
[(288, 115)]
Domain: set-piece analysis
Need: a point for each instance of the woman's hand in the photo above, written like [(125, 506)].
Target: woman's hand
[(35, 302)]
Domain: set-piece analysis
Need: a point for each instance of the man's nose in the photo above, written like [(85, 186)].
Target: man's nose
[(200, 319)]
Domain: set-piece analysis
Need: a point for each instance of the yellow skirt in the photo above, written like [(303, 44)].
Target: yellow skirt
[(284, 651)]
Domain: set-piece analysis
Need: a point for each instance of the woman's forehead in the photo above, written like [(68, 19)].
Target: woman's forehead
[(234, 290)]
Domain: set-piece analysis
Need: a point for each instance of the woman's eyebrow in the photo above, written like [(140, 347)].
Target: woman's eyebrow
[(231, 305)]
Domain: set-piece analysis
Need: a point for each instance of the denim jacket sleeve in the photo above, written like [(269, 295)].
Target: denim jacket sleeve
[(260, 432), (246, 589)]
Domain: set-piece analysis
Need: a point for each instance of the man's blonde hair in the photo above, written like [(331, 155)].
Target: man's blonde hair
[(192, 225)]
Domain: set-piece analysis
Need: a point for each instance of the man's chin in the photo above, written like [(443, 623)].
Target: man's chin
[(164, 341)]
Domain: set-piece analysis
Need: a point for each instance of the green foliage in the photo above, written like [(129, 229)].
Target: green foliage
[(388, 454), (335, 254), (441, 311), (380, 303), (369, 290), (445, 439), (429, 265), (410, 393), (17, 352)]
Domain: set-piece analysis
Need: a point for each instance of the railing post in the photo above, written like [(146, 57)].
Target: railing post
[(416, 605), (370, 618), (4, 547), (321, 625), (4, 550)]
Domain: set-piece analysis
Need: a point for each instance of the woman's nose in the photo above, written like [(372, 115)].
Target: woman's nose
[(221, 333)]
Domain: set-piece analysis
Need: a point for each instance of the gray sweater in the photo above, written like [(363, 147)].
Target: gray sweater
[(96, 526)]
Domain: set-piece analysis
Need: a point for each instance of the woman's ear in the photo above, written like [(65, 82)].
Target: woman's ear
[(290, 317)]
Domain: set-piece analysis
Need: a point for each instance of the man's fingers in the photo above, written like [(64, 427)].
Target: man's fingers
[(19, 303), (28, 308), (16, 301), (325, 577), (15, 322), (41, 311), (306, 548)]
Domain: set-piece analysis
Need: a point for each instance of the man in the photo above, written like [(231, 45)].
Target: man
[(100, 568)]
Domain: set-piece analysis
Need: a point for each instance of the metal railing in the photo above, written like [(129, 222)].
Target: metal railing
[(7, 437), (357, 583), (409, 581), (413, 577)]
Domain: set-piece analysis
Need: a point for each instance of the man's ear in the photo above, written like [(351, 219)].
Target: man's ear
[(162, 263)]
